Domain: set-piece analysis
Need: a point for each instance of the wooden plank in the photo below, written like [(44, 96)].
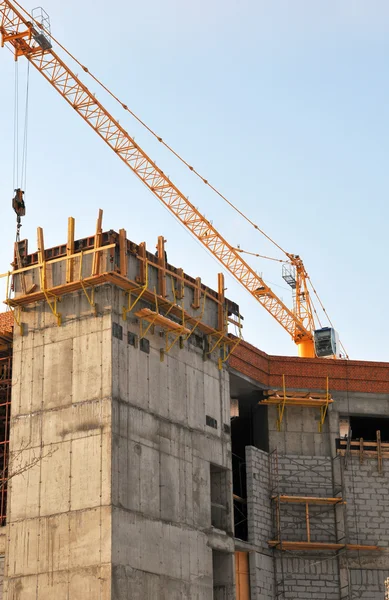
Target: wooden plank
[(242, 576), (296, 402), (296, 394), (151, 315), (320, 546), (239, 499), (365, 443), (41, 257), (307, 499), (70, 251)]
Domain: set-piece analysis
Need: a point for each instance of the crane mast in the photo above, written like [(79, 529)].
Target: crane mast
[(29, 39)]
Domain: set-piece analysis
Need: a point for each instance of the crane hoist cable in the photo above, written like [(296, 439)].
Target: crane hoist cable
[(16, 127), (20, 162)]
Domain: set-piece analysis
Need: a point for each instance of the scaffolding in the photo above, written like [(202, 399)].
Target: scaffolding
[(364, 449), (281, 398), (284, 519), (5, 415), (83, 265), (239, 497)]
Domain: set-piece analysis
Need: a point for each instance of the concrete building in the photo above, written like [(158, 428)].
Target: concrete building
[(144, 457)]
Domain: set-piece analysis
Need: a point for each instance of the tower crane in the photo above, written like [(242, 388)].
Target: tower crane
[(28, 37)]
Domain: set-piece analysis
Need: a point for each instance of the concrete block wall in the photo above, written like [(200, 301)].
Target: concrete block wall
[(260, 524), (368, 584), (261, 576), (306, 476), (367, 495), (312, 576)]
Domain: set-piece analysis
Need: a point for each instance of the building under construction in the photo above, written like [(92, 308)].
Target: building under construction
[(147, 453)]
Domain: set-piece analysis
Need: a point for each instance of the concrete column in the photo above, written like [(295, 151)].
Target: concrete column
[(59, 508)]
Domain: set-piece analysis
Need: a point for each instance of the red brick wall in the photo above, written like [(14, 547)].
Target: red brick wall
[(311, 373), (6, 322)]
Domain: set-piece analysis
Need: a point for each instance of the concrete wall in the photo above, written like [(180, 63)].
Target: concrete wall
[(162, 454), (59, 499), (111, 460)]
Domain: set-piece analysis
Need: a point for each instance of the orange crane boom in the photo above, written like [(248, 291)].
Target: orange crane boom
[(27, 38)]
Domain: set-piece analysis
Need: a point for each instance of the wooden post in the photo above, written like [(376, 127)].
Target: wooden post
[(123, 252), (162, 266), (278, 517), (41, 257), (70, 251), (180, 286), (361, 456), (379, 451), (141, 277), (307, 521), (98, 241), (221, 325), (197, 294)]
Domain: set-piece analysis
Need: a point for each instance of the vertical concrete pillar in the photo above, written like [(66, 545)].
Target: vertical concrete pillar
[(59, 506)]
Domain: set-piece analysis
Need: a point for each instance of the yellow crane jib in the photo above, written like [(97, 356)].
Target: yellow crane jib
[(30, 37)]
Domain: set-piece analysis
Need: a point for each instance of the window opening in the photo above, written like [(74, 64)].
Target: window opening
[(220, 513)]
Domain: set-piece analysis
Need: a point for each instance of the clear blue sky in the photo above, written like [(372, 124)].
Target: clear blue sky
[(282, 105)]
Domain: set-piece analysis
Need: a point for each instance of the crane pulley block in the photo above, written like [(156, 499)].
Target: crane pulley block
[(18, 203)]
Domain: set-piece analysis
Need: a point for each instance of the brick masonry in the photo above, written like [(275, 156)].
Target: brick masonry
[(311, 373)]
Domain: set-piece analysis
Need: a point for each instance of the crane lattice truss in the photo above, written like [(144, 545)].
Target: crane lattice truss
[(28, 39)]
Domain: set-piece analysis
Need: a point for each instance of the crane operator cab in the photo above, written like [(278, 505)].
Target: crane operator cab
[(326, 343)]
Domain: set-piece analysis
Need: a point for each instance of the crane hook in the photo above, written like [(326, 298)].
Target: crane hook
[(20, 209)]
